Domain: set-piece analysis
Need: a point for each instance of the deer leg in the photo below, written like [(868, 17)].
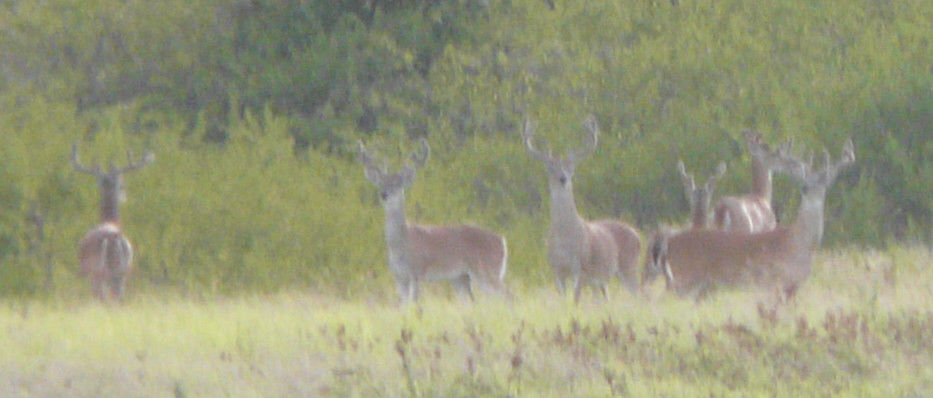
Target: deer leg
[(604, 291), (100, 290), (463, 287), (103, 271), (404, 286), (577, 288), (118, 269), (559, 281), (415, 289)]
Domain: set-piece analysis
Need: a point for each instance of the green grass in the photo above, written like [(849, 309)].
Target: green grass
[(863, 326)]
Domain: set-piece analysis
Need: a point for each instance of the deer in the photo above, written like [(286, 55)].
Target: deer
[(588, 252), (466, 255), (751, 212), (694, 262), (105, 253), (699, 198)]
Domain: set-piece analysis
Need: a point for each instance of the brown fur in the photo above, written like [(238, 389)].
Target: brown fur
[(106, 258)]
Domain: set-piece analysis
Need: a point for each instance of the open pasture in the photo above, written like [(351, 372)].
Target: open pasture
[(862, 325)]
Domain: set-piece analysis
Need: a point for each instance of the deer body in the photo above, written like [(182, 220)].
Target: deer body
[(586, 252), (106, 258), (465, 255), (751, 212), (696, 261), (105, 253)]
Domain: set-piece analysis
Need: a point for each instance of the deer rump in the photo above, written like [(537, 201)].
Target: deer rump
[(106, 256)]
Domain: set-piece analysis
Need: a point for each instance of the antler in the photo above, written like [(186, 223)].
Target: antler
[(77, 164), (373, 172), (782, 159), (147, 158), (831, 170), (753, 142), (589, 141), (420, 156), (528, 134), (720, 171), (144, 160), (689, 183)]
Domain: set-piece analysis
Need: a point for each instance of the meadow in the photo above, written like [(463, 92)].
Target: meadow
[(861, 326), (260, 266)]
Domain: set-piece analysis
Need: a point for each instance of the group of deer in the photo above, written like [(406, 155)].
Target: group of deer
[(744, 245)]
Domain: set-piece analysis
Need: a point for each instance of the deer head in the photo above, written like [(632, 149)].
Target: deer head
[(561, 169), (110, 182), (813, 180), (699, 198), (390, 184)]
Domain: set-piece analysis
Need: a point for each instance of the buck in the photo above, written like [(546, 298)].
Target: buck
[(587, 252), (695, 261), (699, 197), (105, 254), (751, 212), (465, 255)]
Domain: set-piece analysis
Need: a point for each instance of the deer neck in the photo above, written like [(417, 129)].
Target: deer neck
[(808, 227), (110, 208), (396, 226), (761, 180), (564, 217), (700, 216)]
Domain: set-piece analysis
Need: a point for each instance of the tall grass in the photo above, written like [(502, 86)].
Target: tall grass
[(861, 326)]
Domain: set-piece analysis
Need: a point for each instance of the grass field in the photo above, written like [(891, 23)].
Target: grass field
[(861, 326)]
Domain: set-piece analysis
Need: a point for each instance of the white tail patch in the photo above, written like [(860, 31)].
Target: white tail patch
[(505, 258)]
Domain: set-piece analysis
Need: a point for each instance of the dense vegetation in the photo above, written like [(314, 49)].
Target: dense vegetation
[(253, 108)]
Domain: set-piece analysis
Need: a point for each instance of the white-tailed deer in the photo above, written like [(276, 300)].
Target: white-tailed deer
[(105, 253), (465, 255), (751, 212), (588, 252), (699, 197), (695, 261)]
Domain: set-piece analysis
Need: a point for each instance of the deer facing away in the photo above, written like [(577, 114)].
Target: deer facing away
[(696, 261), (751, 212), (466, 255), (588, 252), (105, 253)]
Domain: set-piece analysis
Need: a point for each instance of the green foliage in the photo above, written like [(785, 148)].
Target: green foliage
[(253, 109)]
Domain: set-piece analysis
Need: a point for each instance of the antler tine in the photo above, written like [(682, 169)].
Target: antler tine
[(420, 156), (147, 158), (720, 171), (528, 133), (368, 160), (686, 179), (589, 141), (77, 164), (782, 159), (847, 158)]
